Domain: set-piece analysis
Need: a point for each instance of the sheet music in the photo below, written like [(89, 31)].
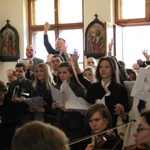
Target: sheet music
[(69, 99), (68, 94), (35, 101), (57, 96), (78, 104), (141, 88)]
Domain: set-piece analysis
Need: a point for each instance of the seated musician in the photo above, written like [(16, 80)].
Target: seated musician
[(100, 120)]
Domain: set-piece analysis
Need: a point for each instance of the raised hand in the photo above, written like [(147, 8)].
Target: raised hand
[(145, 53), (46, 27), (75, 57)]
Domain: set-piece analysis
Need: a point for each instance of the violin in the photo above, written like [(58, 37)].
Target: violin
[(100, 134), (136, 147), (100, 141)]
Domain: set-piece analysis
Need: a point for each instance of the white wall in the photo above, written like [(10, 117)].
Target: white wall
[(16, 12), (103, 8)]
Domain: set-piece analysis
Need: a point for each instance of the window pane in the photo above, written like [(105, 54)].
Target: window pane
[(133, 9), (44, 12), (74, 40), (38, 42), (135, 39), (72, 13)]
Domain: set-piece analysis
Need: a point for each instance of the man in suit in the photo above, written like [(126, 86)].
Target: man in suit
[(16, 92), (30, 53), (61, 46), (32, 61), (21, 85)]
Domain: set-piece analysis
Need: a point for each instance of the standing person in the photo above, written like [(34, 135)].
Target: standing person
[(56, 60), (136, 67), (100, 120), (61, 46), (132, 74), (21, 85), (89, 73), (11, 76), (91, 61), (30, 53), (108, 89), (32, 61), (71, 122), (123, 76), (42, 88), (15, 92), (39, 136)]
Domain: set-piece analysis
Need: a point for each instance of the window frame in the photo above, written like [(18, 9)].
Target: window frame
[(131, 22), (55, 27)]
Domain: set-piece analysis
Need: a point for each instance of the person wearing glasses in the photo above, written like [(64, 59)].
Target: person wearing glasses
[(56, 60), (61, 46), (142, 133), (31, 62)]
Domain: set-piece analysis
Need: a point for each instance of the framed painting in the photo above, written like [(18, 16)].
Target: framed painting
[(95, 41), (9, 43)]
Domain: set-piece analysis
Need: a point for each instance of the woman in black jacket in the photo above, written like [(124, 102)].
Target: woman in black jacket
[(70, 121), (108, 89)]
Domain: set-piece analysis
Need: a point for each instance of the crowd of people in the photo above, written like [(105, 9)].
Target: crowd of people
[(44, 124)]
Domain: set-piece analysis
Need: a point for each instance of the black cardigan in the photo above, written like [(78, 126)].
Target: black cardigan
[(118, 95)]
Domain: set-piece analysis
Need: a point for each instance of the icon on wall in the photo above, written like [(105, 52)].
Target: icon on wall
[(95, 42), (9, 43)]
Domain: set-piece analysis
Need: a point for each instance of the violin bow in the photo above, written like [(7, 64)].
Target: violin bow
[(100, 133)]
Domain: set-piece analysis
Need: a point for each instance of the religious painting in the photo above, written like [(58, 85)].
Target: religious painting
[(9, 43), (95, 43)]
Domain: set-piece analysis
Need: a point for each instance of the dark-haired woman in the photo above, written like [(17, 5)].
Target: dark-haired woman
[(108, 90), (71, 122)]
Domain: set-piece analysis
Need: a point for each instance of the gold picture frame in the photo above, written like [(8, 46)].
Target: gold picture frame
[(9, 43), (95, 39)]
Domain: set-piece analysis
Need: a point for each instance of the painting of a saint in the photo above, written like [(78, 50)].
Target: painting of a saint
[(9, 43), (95, 39)]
